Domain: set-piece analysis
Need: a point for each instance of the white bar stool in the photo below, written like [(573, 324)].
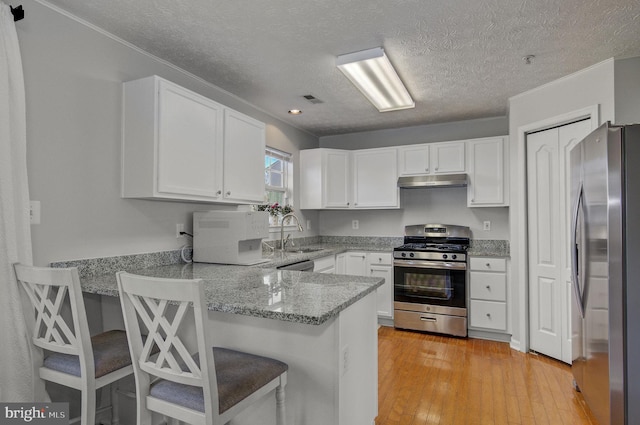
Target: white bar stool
[(209, 387), (74, 359)]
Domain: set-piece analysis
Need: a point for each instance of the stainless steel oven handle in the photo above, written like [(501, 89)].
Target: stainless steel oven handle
[(428, 319), (421, 264)]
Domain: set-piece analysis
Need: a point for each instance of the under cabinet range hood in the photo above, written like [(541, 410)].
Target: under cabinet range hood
[(436, 180)]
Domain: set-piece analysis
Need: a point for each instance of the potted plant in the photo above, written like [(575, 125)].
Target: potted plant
[(276, 211)]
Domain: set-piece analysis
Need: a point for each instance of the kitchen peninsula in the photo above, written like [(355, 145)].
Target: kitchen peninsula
[(323, 326)]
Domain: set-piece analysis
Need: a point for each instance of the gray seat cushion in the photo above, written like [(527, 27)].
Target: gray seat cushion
[(238, 374), (110, 353)]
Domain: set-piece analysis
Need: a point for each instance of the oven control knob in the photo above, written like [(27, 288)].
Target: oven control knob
[(404, 254), (445, 256), (454, 256), (411, 255)]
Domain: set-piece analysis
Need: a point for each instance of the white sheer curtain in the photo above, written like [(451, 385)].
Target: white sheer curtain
[(18, 380)]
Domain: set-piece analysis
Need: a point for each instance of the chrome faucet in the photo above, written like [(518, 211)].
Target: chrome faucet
[(283, 241)]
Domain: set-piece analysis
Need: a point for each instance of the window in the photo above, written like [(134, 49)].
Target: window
[(278, 170)]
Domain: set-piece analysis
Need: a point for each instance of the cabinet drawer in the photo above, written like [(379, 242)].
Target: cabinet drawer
[(488, 264), (488, 314), (488, 286), (380, 258)]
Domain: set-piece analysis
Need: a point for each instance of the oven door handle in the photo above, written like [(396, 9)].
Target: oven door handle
[(421, 264)]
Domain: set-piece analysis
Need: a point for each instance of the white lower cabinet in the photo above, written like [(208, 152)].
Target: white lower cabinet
[(341, 263), (325, 265), (488, 294), (377, 264), (356, 263), (380, 265)]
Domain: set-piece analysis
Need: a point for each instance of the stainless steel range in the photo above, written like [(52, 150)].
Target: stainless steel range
[(430, 279)]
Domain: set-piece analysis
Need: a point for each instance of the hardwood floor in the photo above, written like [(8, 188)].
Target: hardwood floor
[(427, 379)]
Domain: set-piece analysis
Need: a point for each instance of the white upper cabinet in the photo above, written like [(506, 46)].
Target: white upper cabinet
[(337, 179), (244, 147), (487, 166), (447, 157), (413, 160), (431, 158), (178, 145), (375, 175), (324, 178)]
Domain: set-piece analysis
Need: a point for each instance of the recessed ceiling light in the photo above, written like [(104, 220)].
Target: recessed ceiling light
[(295, 111)]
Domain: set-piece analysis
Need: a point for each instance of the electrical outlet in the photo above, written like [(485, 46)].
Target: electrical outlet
[(355, 224), (486, 225), (179, 228), (34, 212), (308, 224)]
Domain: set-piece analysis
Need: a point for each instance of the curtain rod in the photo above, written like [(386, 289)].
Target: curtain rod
[(18, 13)]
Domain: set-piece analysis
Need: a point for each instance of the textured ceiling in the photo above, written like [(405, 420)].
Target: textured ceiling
[(460, 59)]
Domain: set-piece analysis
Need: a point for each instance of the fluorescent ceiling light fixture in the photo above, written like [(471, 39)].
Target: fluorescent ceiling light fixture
[(372, 73)]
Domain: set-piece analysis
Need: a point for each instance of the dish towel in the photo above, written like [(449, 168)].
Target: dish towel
[(19, 381)]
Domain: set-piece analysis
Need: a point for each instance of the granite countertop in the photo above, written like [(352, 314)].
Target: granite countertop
[(293, 255), (292, 296), (489, 248)]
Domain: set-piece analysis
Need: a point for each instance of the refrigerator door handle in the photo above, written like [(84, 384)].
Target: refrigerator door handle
[(574, 251)]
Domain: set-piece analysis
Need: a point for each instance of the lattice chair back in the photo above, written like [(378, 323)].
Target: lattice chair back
[(160, 309), (49, 290)]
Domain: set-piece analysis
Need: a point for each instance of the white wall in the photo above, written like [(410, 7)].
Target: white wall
[(73, 76), (627, 91), (442, 205), (458, 130), (583, 89)]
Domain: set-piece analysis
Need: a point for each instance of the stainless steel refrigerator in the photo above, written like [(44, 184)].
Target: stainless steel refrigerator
[(605, 193)]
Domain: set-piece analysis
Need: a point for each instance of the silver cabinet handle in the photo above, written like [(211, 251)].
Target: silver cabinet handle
[(229, 193), (219, 192)]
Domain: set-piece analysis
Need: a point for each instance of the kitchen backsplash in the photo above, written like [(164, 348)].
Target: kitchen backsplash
[(97, 266)]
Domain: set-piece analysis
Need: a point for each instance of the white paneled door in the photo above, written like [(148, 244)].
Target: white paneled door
[(548, 234)]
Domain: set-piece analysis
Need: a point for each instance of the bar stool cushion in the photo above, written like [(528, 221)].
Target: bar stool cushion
[(238, 374), (110, 353)]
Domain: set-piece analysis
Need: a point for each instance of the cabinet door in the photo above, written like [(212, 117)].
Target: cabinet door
[(485, 161), (356, 264), (375, 176), (384, 292), (335, 175), (244, 147), (413, 160), (447, 157), (341, 263), (189, 143), (325, 265)]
